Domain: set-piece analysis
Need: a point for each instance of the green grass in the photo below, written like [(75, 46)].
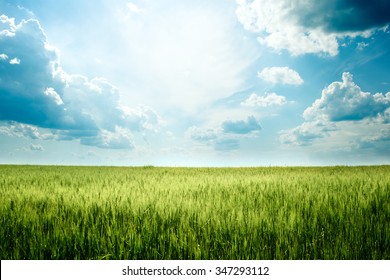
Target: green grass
[(53, 212)]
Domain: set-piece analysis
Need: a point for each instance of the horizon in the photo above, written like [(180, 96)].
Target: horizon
[(194, 167), (181, 84)]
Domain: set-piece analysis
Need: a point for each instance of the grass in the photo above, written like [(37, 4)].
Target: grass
[(54, 212)]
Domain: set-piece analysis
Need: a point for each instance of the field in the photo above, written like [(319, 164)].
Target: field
[(54, 212)]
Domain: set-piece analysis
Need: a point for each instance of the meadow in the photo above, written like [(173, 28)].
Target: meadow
[(58, 212)]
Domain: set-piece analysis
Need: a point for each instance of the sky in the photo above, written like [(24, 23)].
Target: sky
[(195, 83)]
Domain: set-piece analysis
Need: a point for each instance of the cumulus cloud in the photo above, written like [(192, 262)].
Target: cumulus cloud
[(346, 101), (35, 91), (242, 126), (344, 115), (280, 75), (269, 99), (14, 61), (308, 26)]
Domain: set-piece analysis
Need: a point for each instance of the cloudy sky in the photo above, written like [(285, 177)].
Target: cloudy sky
[(195, 83)]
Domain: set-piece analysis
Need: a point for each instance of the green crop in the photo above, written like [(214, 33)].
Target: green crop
[(57, 212)]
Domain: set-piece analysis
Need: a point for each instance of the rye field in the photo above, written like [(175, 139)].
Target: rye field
[(58, 212)]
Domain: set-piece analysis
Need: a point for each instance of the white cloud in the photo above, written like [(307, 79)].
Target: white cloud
[(306, 133), (378, 142), (25, 130), (51, 93), (14, 61), (6, 21), (269, 99), (386, 116), (344, 117), (213, 137), (366, 140), (308, 26), (41, 95), (381, 135), (274, 22), (361, 46), (121, 138), (346, 101), (250, 125), (227, 135), (3, 56), (280, 75)]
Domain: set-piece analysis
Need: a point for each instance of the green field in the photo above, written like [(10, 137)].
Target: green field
[(54, 212)]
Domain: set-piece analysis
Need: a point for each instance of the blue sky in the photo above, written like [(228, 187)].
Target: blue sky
[(195, 83)]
